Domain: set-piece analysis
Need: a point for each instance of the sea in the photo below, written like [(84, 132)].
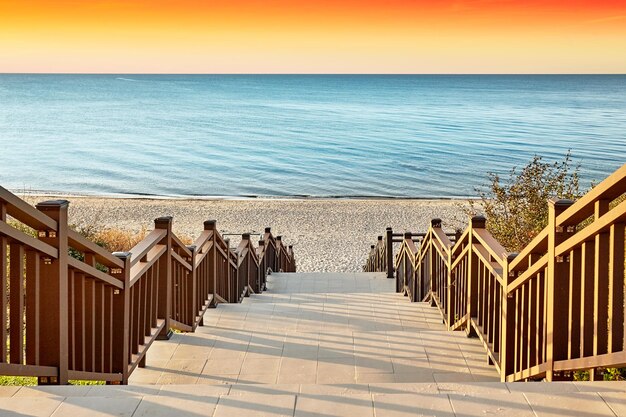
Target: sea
[(317, 136)]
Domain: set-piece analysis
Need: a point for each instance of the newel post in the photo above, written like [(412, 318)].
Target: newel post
[(558, 289), (434, 224), (121, 319), (507, 346), (165, 277), (380, 259), (53, 287), (389, 252), (477, 222), (292, 260), (193, 303), (211, 225), (245, 237), (279, 253), (263, 266)]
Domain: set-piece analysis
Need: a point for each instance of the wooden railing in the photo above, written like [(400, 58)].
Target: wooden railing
[(555, 308), (73, 311)]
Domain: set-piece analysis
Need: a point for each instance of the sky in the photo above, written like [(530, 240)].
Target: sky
[(321, 36)]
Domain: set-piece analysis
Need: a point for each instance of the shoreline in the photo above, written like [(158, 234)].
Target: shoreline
[(329, 235), (66, 195)]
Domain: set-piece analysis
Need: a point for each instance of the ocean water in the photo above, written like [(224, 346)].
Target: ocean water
[(300, 135)]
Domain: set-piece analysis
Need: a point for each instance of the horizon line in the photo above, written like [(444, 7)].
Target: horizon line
[(312, 73)]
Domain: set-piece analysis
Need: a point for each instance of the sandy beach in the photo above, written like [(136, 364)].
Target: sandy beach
[(328, 235)]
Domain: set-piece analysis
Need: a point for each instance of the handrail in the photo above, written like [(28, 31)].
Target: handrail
[(554, 308), (89, 314)]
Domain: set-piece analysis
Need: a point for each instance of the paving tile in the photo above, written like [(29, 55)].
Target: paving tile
[(560, 404), (412, 404), (492, 388), (486, 404), (194, 391), (7, 391), (616, 401), (39, 406), (223, 366), (252, 365), (335, 406), (53, 391), (542, 387), (256, 405), (265, 389), (334, 389), (98, 406), (257, 378), (115, 391), (374, 378), (409, 387), (217, 379), (167, 406), (600, 386), (298, 366)]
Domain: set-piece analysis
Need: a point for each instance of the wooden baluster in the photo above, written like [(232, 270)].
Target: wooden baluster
[(616, 288), (3, 283), (33, 305), (558, 290), (507, 344), (165, 277), (574, 324), (54, 349), (389, 252), (99, 328), (16, 303), (601, 287), (477, 222), (121, 316), (90, 316), (587, 253), (193, 307)]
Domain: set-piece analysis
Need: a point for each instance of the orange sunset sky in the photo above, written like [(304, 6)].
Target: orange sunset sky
[(323, 36)]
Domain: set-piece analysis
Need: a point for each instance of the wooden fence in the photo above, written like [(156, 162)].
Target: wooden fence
[(554, 308), (72, 311)]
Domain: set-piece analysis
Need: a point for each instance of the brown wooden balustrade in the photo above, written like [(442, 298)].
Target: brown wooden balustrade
[(555, 308), (76, 312)]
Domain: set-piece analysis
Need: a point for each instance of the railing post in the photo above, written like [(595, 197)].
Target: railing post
[(263, 266), (165, 277), (380, 260), (292, 260), (477, 222), (121, 319), (54, 344), (230, 281), (193, 301), (389, 250), (246, 238), (558, 289), (434, 224), (212, 225), (507, 342), (279, 252)]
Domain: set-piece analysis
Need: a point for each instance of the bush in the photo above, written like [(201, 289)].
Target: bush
[(516, 207)]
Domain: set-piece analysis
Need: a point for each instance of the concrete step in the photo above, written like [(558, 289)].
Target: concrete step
[(311, 400)]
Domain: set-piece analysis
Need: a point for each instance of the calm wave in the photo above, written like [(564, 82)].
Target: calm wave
[(399, 136)]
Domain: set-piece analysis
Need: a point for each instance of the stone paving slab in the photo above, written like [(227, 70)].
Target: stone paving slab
[(379, 400)]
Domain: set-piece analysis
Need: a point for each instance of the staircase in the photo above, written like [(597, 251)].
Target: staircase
[(319, 345)]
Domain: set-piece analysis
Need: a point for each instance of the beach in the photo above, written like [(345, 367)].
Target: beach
[(327, 234)]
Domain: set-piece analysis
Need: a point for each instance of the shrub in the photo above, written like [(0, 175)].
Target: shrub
[(516, 206)]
